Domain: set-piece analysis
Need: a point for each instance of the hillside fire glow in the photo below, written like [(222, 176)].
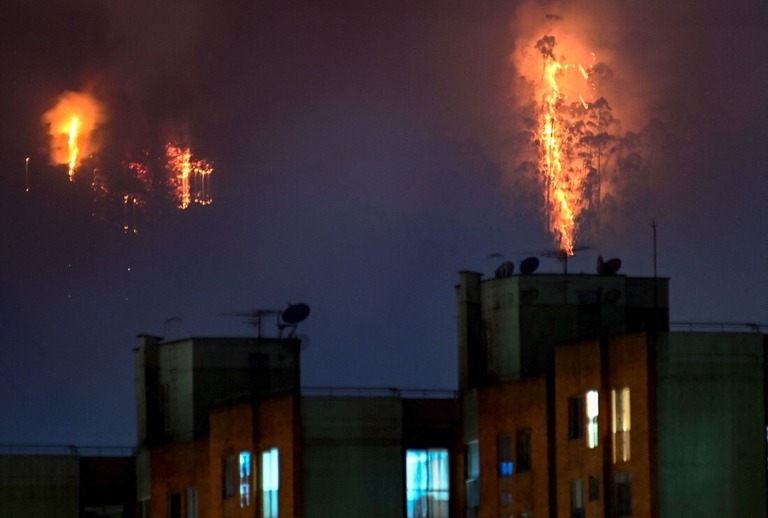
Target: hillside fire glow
[(191, 177)]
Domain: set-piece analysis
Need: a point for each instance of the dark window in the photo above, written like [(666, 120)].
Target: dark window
[(594, 488), (174, 505), (575, 417), (506, 467), (623, 489), (473, 476), (228, 472), (523, 450)]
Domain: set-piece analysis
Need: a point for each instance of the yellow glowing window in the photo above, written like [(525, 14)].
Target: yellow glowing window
[(593, 411), (620, 424)]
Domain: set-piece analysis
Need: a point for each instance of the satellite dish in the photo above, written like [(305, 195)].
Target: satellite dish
[(294, 314), (505, 269), (529, 265), (609, 267)]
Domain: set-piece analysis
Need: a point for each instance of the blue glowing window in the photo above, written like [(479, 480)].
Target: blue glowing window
[(245, 478), (427, 480), (270, 482)]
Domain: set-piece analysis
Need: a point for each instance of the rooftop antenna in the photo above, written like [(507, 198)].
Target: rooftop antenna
[(172, 324), (255, 317), (562, 255), (288, 318)]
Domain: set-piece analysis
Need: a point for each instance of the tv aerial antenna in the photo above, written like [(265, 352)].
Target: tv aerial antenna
[(562, 255), (285, 319)]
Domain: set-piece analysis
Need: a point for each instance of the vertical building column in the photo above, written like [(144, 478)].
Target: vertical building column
[(471, 350)]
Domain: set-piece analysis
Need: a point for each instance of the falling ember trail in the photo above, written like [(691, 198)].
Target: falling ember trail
[(191, 177), (73, 149)]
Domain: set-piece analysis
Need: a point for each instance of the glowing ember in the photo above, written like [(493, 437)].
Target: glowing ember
[(191, 178), (71, 125)]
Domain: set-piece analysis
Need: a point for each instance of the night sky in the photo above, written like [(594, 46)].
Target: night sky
[(364, 153)]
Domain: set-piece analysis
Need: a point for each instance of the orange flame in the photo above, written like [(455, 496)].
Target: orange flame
[(71, 125), (73, 149), (191, 177), (563, 163)]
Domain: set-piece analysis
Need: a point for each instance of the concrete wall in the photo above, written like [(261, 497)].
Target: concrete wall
[(712, 425), (353, 459), (505, 409), (508, 327), (39, 486), (620, 362), (175, 468)]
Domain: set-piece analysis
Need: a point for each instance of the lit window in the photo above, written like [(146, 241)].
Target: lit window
[(245, 478), (621, 424), (427, 479), (593, 410), (270, 482), (506, 467)]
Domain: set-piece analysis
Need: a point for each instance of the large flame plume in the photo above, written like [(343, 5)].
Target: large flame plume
[(72, 125), (575, 132)]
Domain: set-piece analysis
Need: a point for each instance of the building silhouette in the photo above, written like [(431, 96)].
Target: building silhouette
[(575, 400), (579, 401)]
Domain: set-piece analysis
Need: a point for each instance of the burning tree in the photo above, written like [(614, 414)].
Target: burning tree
[(574, 142)]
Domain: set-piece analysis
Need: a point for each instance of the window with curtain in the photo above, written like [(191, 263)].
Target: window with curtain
[(427, 479), (270, 482)]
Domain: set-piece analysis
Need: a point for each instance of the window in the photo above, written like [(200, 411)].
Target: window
[(575, 417), (245, 478), (192, 502), (523, 450), (620, 424), (577, 499), (427, 483), (593, 410), (174, 505), (506, 466), (473, 477), (228, 472), (623, 495), (270, 482), (594, 488)]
